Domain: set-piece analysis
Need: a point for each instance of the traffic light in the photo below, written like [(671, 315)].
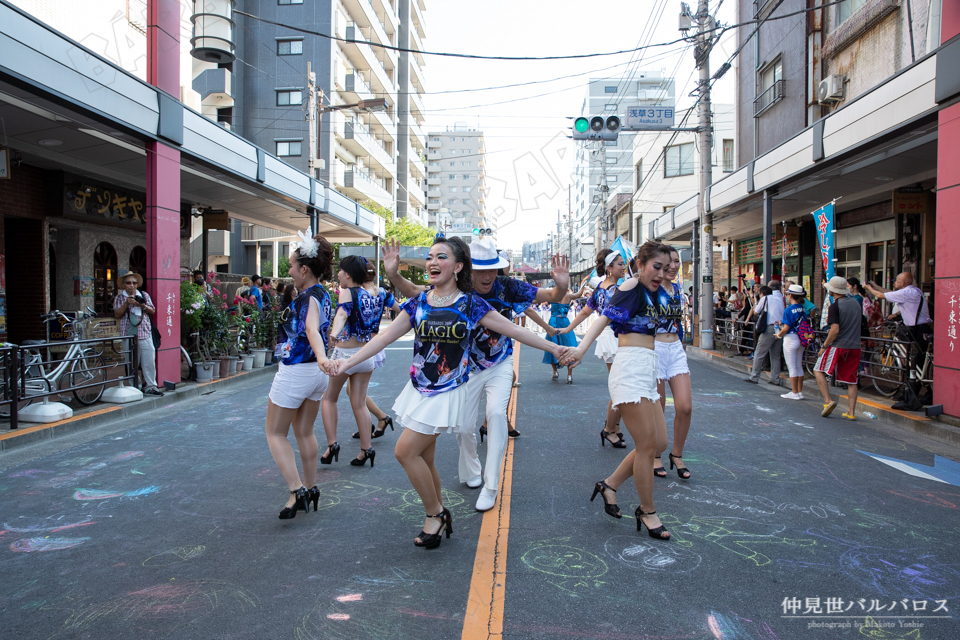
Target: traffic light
[(483, 232), (596, 128)]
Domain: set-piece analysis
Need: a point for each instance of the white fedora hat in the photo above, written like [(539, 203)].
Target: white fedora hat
[(483, 255)]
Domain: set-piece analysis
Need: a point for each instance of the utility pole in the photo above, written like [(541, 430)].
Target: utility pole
[(705, 134), (312, 119), (570, 225)]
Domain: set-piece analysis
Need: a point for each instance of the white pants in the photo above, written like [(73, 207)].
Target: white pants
[(148, 362), (497, 381), (793, 354)]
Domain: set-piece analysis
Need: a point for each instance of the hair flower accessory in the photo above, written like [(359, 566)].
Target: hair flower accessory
[(308, 246)]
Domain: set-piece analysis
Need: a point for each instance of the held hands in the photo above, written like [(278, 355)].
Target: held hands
[(326, 366), (569, 356), (339, 366), (553, 331)]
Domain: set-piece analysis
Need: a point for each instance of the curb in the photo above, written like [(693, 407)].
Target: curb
[(106, 413), (909, 421)]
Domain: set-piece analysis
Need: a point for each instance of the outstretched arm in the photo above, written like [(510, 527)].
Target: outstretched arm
[(495, 322), (391, 264), (396, 329), (533, 315)]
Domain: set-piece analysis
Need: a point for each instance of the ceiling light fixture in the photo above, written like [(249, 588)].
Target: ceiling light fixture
[(50, 142)]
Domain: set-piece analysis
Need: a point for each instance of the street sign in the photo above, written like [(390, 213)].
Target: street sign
[(216, 219), (461, 227), (707, 279), (653, 118)]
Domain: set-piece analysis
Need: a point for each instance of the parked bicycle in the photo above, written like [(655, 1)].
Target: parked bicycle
[(890, 363)]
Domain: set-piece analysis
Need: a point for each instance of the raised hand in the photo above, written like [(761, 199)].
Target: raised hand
[(561, 271), (391, 255)]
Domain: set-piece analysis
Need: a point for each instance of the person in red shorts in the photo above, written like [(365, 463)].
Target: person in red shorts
[(840, 355)]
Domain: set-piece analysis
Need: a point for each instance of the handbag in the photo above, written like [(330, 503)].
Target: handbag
[(156, 336), (760, 326)]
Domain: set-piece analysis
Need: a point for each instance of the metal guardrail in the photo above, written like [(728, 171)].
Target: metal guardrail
[(85, 370)]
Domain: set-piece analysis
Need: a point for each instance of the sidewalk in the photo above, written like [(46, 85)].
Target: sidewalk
[(102, 413), (942, 428)]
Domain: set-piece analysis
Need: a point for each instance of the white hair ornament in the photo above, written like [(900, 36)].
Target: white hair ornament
[(308, 246)]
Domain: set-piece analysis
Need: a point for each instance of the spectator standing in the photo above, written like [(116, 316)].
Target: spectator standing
[(266, 292), (205, 290), (254, 291), (840, 354), (792, 347), (772, 309), (134, 309)]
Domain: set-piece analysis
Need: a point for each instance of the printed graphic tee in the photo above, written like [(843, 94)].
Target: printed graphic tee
[(509, 298), (633, 311), (292, 344), (363, 314)]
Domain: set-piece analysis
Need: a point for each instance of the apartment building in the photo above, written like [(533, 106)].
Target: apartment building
[(456, 184)]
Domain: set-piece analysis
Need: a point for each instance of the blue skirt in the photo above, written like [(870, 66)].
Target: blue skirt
[(566, 339)]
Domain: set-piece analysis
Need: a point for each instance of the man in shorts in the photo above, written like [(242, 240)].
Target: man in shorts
[(840, 355)]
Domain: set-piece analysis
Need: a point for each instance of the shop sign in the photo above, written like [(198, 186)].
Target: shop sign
[(104, 203), (751, 251), (216, 220), (823, 217), (909, 200), (4, 164)]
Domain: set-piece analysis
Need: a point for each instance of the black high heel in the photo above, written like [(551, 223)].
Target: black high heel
[(373, 432), (313, 495), (300, 502), (657, 533), (610, 507), (659, 472), (604, 439), (432, 540), (680, 470), (368, 454), (387, 422), (333, 453)]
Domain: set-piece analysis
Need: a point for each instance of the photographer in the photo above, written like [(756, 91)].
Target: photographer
[(134, 309)]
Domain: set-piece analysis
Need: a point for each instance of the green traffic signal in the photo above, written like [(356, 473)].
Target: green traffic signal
[(581, 125)]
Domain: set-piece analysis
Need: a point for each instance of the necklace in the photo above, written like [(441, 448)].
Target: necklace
[(439, 300)]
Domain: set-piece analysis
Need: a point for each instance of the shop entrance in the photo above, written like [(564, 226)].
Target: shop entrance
[(25, 262)]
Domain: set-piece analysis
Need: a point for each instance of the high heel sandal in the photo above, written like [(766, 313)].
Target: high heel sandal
[(300, 502), (659, 472), (569, 378), (555, 375), (387, 422), (604, 439), (373, 433), (313, 495), (333, 453), (432, 540), (657, 533), (680, 470), (610, 507), (368, 454)]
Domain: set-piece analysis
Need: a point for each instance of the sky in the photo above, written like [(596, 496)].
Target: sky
[(529, 159)]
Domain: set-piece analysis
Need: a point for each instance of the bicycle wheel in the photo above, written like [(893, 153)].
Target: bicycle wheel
[(186, 366), (31, 387), (88, 370), (886, 369), (810, 356)]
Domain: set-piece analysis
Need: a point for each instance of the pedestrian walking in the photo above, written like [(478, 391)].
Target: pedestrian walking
[(793, 316), (359, 309), (769, 313), (673, 368), (611, 264), (444, 320), (632, 312), (135, 309), (301, 376), (840, 354)]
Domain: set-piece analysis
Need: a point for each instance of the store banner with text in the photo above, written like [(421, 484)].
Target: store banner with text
[(824, 219)]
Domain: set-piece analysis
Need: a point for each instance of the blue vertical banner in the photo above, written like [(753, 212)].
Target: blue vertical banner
[(824, 219)]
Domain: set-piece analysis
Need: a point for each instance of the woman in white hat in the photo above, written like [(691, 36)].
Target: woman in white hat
[(135, 309), (792, 348)]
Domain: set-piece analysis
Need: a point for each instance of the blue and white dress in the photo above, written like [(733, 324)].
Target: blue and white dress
[(559, 320)]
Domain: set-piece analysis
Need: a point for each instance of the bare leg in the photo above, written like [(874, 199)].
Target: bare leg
[(682, 392), (414, 452), (329, 407), (277, 428), (374, 409), (613, 414), (644, 421), (822, 385), (852, 392), (359, 383), (303, 423)]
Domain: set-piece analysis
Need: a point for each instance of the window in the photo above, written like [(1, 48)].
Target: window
[(290, 47), (610, 89), (467, 176), (610, 107), (138, 262), (289, 1), (288, 98), (678, 160), (453, 164), (611, 159), (434, 164), (289, 148), (728, 161), (454, 190), (847, 8), (452, 176), (452, 201), (638, 176), (611, 143), (770, 84), (104, 278), (464, 151), (466, 189), (436, 139)]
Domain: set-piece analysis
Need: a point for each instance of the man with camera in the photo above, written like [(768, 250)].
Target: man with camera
[(135, 309)]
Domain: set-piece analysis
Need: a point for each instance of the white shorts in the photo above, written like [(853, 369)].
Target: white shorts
[(295, 383), (440, 413), (606, 345), (633, 376), (379, 360), (364, 366), (673, 359)]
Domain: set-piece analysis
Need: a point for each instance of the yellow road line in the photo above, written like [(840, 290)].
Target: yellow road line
[(483, 619)]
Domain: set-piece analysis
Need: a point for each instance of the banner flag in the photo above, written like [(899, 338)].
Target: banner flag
[(824, 219)]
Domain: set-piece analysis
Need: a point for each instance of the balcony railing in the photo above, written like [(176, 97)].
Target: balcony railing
[(768, 98)]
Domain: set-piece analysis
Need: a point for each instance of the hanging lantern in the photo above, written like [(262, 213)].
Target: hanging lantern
[(213, 31)]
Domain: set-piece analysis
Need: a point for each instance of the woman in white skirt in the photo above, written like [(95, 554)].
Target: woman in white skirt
[(383, 420), (634, 316), (611, 264), (358, 310), (301, 377), (433, 402), (673, 368)]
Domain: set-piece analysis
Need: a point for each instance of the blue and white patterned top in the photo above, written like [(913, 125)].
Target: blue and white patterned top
[(509, 298), (292, 344), (600, 298), (442, 339), (363, 314), (671, 310), (633, 311)]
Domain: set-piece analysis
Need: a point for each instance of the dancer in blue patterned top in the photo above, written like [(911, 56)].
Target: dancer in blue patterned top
[(559, 319), (383, 420), (611, 264), (357, 321), (634, 315), (673, 369), (490, 355), (302, 375)]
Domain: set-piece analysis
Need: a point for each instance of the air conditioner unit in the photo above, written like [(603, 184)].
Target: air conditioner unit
[(830, 90)]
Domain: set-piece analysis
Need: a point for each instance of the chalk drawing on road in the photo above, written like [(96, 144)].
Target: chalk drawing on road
[(936, 498), (733, 627), (101, 494), (46, 543), (52, 524), (174, 556), (574, 571), (411, 507), (650, 556), (741, 536)]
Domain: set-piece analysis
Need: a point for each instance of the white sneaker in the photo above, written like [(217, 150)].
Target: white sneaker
[(790, 396), (474, 483), (488, 498), (800, 396)]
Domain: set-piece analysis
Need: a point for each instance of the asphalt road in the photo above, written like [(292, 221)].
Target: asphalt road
[(166, 527)]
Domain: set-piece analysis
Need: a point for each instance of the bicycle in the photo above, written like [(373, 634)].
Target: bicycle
[(891, 359), (201, 353), (82, 367)]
